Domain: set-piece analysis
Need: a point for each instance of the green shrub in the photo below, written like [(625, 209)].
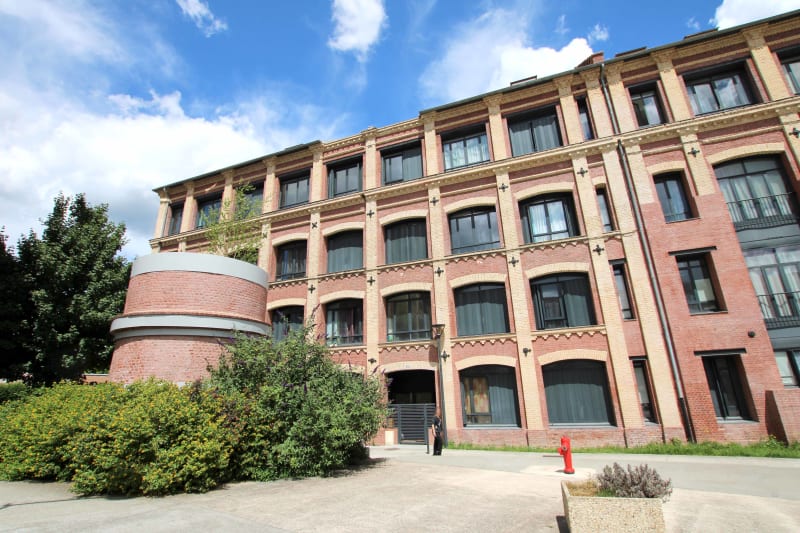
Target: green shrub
[(149, 438), (297, 413), (635, 482), (16, 390)]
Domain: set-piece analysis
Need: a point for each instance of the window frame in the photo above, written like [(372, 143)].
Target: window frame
[(567, 202), (639, 94), (619, 269), (604, 207), (779, 308), (710, 78), (585, 118), (590, 386), (463, 136), (423, 299), (294, 178), (460, 301), (206, 205), (644, 386), (790, 64), (792, 366), (673, 196), (391, 153), (567, 318), (347, 305), (174, 224), (285, 249), (340, 239), (498, 387), (726, 394), (522, 122), (389, 240), (690, 282), (289, 313), (345, 165), (472, 214)]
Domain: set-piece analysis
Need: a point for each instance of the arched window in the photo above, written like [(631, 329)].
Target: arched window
[(548, 218), (562, 301), (489, 396), (481, 309), (577, 392), (285, 320), (408, 316), (406, 241)]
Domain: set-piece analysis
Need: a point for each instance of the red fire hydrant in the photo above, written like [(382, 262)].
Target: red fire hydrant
[(566, 451)]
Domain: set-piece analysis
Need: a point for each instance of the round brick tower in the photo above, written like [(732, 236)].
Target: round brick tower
[(179, 309)]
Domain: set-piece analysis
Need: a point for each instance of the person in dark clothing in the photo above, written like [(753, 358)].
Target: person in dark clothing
[(436, 428)]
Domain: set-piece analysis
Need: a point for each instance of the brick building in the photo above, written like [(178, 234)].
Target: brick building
[(610, 253)]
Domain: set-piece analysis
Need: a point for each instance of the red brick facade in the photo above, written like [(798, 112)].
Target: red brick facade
[(661, 332)]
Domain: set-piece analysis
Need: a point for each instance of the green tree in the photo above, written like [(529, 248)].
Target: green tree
[(295, 411), (78, 285), (14, 306), (232, 230)]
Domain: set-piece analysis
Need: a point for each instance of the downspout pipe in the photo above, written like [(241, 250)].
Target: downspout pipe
[(648, 257)]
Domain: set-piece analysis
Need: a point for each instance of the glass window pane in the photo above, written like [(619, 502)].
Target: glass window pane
[(701, 96)]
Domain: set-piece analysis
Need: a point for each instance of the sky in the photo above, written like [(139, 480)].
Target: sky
[(113, 98)]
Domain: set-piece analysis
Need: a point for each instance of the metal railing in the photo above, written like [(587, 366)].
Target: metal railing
[(763, 212), (780, 309)]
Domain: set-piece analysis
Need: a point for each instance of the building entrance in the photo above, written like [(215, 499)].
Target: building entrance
[(412, 402)]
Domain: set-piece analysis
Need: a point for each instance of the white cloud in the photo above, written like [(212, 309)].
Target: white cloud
[(203, 18), (561, 25), (692, 24), (357, 26), (734, 12), (500, 39), (598, 33), (113, 146)]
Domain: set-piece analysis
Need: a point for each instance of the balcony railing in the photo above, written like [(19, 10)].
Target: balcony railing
[(781, 309), (763, 212)]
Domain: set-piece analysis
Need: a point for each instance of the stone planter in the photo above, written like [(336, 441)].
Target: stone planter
[(621, 515)]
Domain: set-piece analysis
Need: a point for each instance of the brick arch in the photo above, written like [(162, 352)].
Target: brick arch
[(481, 201), (283, 239), (556, 268), (483, 360), (742, 152), (286, 302), (407, 365), (406, 287), (571, 355), (668, 166), (405, 215), (538, 190), (345, 226), (342, 295), (483, 277)]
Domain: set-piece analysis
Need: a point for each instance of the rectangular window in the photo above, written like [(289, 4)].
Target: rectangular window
[(586, 119), (756, 193), (697, 284), (562, 301), (481, 309), (465, 149), (724, 90), (672, 197), (791, 66), (291, 261), (605, 212), (208, 211), (775, 273), (345, 322), (643, 385), (473, 230), (789, 366), (647, 105), (294, 190), (286, 320), (252, 201), (534, 133), (175, 219), (623, 293), (406, 241), (402, 164), (489, 396), (344, 178), (576, 392), (345, 251), (548, 218), (408, 317), (725, 386)]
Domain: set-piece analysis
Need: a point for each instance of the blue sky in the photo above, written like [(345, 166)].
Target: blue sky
[(116, 97)]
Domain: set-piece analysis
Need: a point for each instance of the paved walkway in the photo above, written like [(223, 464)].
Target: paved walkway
[(404, 489)]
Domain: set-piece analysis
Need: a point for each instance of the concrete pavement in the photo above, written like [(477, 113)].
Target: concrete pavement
[(404, 489)]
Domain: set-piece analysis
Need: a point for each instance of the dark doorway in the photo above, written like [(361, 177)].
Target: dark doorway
[(412, 399)]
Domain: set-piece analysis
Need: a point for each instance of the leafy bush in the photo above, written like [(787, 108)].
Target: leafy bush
[(295, 411), (15, 390), (635, 482), (149, 438)]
